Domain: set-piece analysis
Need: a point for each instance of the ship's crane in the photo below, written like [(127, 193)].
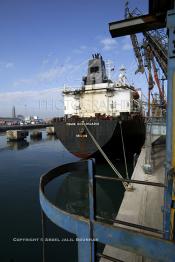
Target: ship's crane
[(154, 47)]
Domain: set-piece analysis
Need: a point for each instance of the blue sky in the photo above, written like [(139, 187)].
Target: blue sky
[(46, 44)]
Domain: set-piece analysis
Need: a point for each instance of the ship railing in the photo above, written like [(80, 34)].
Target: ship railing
[(158, 119), (95, 229), (156, 126)]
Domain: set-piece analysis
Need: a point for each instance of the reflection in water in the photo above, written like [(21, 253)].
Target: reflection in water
[(70, 193), (36, 134), (43, 139), (72, 196), (39, 138), (17, 145), (51, 137)]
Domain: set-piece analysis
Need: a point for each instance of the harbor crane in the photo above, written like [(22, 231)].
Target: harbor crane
[(152, 51)]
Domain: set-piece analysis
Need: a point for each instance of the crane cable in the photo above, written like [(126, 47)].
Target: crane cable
[(105, 156)]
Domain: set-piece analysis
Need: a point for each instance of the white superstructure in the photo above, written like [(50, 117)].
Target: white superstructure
[(101, 96)]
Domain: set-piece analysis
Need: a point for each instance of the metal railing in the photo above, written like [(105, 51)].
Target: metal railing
[(97, 228)]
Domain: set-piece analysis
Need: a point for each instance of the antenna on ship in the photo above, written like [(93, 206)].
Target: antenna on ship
[(122, 75)]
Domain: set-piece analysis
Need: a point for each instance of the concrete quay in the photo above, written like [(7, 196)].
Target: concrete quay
[(143, 205)]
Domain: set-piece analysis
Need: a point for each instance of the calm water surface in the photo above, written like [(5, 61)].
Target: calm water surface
[(21, 165)]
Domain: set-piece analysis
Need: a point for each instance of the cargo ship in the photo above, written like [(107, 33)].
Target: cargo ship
[(107, 108)]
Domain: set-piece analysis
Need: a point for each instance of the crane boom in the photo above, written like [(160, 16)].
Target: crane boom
[(138, 54), (135, 44), (154, 40), (154, 50), (159, 51)]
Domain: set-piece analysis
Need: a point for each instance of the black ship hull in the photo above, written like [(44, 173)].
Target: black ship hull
[(107, 133)]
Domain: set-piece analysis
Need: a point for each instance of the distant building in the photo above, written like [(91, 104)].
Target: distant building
[(9, 121), (13, 112), (21, 117)]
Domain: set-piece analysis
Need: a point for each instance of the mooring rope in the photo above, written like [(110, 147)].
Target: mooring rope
[(123, 145), (105, 156)]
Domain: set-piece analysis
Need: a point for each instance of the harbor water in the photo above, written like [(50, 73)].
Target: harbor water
[(21, 165)]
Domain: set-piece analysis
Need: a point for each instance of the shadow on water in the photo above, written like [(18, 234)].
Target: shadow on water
[(70, 193)]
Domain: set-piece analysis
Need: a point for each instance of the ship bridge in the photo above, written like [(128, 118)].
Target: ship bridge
[(96, 71)]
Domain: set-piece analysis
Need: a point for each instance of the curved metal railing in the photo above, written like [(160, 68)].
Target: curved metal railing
[(89, 230), (75, 224)]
